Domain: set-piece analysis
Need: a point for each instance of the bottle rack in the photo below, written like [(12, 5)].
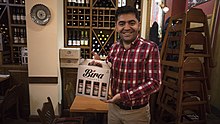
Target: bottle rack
[(13, 26), (97, 17)]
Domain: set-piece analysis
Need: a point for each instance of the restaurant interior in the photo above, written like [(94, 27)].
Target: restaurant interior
[(46, 44)]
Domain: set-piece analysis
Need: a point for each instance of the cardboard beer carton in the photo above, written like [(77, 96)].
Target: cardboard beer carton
[(69, 57), (93, 81)]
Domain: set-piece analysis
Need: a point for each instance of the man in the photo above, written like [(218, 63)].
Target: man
[(135, 71)]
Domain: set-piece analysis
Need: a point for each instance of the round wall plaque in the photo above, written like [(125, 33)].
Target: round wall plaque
[(40, 14)]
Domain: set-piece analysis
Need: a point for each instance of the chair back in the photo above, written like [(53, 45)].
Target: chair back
[(46, 114), (9, 100)]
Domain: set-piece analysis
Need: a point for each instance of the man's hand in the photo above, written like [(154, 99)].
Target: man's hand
[(94, 63), (96, 56), (115, 99)]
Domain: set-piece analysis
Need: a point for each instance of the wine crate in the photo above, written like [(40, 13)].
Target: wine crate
[(69, 57), (73, 53), (93, 81)]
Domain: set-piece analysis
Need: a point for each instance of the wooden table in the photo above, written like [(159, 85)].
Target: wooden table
[(4, 83), (3, 77), (86, 104)]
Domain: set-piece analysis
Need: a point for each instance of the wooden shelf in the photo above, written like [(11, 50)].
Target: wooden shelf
[(13, 29)]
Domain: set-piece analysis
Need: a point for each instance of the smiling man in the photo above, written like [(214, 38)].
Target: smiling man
[(135, 71)]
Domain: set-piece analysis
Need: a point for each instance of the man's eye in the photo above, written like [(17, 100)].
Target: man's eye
[(132, 23), (121, 23)]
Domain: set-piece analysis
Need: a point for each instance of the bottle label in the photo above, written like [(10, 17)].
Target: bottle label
[(88, 88), (14, 17), (82, 42), (15, 39), (70, 43), (22, 17), (74, 42), (22, 40), (103, 93), (86, 42)]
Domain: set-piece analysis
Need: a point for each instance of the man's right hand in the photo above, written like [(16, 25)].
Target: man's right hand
[(95, 63), (96, 56)]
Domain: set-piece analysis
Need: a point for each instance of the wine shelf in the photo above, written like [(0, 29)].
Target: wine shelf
[(96, 18), (13, 30)]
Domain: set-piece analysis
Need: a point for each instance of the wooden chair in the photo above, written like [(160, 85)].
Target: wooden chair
[(9, 101), (47, 115)]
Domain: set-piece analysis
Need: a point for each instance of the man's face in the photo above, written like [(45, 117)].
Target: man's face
[(128, 27)]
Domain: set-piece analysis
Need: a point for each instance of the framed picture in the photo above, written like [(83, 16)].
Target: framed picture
[(192, 3)]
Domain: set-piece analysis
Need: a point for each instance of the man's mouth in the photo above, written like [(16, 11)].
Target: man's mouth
[(127, 33)]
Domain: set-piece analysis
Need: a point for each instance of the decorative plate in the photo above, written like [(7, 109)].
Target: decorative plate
[(40, 14)]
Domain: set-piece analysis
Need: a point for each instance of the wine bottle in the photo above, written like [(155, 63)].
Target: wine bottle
[(123, 2), (82, 42), (25, 35), (87, 3), (16, 1), (14, 16), (69, 41), (23, 2), (75, 38), (79, 2), (78, 37), (69, 2), (18, 16), (74, 2), (15, 36), (83, 3), (23, 18), (86, 39), (119, 3), (137, 4), (22, 36)]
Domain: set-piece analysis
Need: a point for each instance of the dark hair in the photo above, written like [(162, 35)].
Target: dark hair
[(126, 10)]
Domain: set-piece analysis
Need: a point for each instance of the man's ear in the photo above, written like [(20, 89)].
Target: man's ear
[(139, 26)]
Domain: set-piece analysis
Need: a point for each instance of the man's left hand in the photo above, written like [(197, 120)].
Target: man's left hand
[(114, 99)]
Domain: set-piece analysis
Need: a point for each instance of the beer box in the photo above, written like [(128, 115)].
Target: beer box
[(72, 53), (93, 81)]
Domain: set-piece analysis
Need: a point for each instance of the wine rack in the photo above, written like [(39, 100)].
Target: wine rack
[(13, 28), (97, 19)]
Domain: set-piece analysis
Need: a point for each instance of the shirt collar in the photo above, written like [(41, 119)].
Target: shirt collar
[(133, 43)]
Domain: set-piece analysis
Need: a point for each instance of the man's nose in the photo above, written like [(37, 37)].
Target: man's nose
[(127, 26)]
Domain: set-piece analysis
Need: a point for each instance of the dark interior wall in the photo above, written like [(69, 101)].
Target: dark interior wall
[(180, 6), (207, 7)]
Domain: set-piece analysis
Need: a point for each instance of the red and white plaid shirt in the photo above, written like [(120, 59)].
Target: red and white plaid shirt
[(135, 72)]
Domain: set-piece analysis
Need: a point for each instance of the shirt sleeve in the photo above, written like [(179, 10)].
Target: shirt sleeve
[(152, 78)]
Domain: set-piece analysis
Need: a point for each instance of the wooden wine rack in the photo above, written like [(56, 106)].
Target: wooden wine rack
[(13, 29), (97, 18)]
